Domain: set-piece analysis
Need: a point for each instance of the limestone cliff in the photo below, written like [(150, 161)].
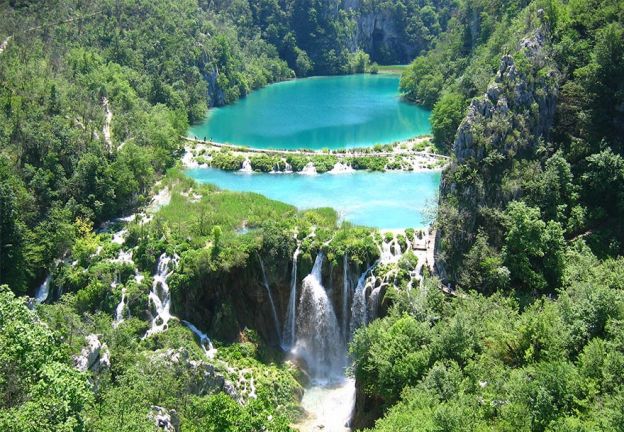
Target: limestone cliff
[(227, 302), (379, 33), (501, 129)]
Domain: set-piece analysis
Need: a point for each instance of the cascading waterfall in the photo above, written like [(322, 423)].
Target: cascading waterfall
[(44, 290), (159, 296), (359, 312), (268, 288), (204, 340), (247, 168), (318, 333), (119, 310), (373, 303), (290, 328)]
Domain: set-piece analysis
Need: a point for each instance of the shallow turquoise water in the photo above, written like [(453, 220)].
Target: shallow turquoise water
[(388, 200), (316, 113)]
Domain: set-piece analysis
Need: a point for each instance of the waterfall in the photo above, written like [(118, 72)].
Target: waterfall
[(318, 334), (345, 297), (373, 303), (247, 168), (290, 330), (309, 169), (159, 297), (268, 288), (358, 307), (119, 310), (340, 168), (42, 293), (204, 340)]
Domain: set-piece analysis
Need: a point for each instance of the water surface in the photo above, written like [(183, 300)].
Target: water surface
[(389, 200), (316, 113)]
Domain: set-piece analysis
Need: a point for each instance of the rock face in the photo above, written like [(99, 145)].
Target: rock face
[(94, 357), (225, 303), (215, 96), (501, 127), (164, 419), (203, 377), (378, 33)]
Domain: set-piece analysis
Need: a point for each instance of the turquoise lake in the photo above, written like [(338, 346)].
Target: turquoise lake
[(317, 113), (390, 200)]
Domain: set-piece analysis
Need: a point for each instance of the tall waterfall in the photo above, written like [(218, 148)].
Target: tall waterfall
[(318, 333), (159, 296), (268, 288), (290, 329), (346, 286)]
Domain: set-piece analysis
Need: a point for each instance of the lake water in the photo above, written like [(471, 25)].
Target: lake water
[(389, 200), (317, 113)]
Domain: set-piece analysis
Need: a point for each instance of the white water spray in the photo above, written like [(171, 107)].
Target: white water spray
[(318, 334), (204, 340), (159, 296), (119, 310), (43, 291), (247, 168)]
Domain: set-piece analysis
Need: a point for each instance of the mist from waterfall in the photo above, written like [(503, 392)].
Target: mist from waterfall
[(318, 334)]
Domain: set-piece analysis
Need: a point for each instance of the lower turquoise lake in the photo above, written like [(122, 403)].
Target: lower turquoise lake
[(318, 113), (390, 200)]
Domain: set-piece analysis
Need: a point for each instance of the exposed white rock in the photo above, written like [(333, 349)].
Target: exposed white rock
[(94, 356), (164, 419)]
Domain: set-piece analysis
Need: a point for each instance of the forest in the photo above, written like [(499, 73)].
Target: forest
[(527, 99)]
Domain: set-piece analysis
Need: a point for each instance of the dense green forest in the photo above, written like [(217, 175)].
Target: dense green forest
[(527, 99)]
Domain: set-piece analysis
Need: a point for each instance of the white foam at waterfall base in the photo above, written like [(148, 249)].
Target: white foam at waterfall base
[(329, 408), (318, 335), (309, 169), (341, 168), (247, 168)]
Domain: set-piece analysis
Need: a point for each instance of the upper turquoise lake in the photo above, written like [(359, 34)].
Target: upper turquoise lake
[(318, 113)]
